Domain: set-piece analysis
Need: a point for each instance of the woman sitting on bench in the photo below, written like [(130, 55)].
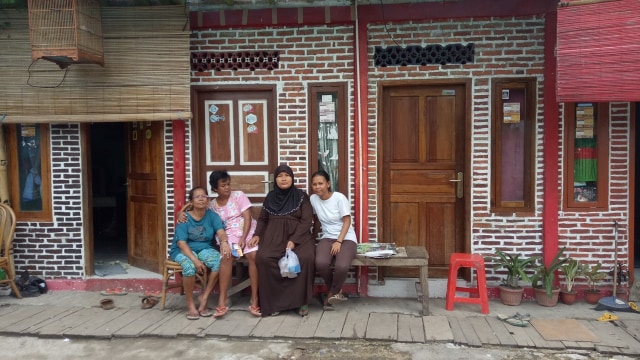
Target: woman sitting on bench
[(338, 241), (192, 248)]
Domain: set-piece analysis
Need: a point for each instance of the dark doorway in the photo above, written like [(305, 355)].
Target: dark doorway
[(108, 167)]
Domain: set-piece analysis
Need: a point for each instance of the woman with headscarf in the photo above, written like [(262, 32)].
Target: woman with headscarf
[(285, 222)]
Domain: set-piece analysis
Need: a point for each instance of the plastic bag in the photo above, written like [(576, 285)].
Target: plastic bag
[(283, 264), (293, 264), (289, 265)]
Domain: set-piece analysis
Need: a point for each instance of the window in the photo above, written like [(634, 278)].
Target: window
[(29, 169), (328, 132), (512, 145), (586, 155)]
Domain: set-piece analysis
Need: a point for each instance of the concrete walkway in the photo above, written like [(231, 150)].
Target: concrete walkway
[(77, 314)]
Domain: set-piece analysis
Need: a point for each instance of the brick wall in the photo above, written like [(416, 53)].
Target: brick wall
[(509, 47), (55, 249), (589, 235), (307, 55)]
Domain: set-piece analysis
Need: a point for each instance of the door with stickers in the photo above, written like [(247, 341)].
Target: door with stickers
[(235, 130), (146, 234)]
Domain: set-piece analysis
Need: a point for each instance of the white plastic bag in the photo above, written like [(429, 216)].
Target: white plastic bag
[(289, 265), (283, 264), (293, 264)]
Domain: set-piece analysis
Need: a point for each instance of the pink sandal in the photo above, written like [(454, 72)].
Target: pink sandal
[(221, 311), (255, 310)]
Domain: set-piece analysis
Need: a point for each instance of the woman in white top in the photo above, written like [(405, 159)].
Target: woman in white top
[(338, 241)]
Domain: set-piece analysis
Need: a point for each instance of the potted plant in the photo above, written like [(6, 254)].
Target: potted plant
[(572, 269), (593, 275), (516, 266), (546, 293)]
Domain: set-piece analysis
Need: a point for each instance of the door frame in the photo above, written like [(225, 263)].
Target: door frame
[(467, 83), (87, 203)]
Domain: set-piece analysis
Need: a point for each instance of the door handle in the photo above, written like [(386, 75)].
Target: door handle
[(459, 184)]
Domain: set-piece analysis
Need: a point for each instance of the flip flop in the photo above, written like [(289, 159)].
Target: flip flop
[(607, 317), (193, 317), (205, 313), (107, 304), (337, 298), (633, 306), (514, 320), (149, 302), (255, 310), (155, 294), (113, 292), (221, 311)]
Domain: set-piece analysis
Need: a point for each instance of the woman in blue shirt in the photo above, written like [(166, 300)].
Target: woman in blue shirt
[(193, 249)]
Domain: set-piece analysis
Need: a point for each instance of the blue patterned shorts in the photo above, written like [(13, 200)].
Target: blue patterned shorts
[(210, 257)]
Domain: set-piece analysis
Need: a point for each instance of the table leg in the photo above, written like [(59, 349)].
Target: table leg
[(424, 285)]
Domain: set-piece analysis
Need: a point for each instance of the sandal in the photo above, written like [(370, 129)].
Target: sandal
[(221, 311), (304, 310), (156, 294), (112, 292), (337, 298), (193, 317), (149, 302), (607, 317), (255, 310), (514, 320), (106, 304), (633, 306), (205, 313)]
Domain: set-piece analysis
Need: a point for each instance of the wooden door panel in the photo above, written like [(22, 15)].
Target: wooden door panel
[(405, 138), (235, 128), (423, 183), (408, 214), (423, 134), (441, 135), (143, 249), (218, 124), (146, 234)]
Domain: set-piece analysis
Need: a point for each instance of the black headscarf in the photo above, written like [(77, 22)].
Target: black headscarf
[(283, 201)]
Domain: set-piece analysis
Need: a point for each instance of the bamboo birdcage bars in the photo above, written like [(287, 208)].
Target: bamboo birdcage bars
[(66, 31)]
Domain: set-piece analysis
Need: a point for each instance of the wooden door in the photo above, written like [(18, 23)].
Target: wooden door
[(235, 131), (423, 153), (146, 234)]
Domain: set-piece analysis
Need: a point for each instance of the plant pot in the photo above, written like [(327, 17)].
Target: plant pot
[(592, 296), (544, 300), (511, 296), (568, 297)]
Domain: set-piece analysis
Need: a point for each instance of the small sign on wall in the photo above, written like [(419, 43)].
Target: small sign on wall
[(511, 113)]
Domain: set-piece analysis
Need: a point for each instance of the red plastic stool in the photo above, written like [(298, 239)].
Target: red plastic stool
[(474, 261)]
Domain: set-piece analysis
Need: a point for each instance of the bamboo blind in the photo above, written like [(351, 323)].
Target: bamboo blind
[(146, 75), (598, 51)]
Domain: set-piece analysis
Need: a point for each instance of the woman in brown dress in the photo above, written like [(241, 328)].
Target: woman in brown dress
[(285, 222)]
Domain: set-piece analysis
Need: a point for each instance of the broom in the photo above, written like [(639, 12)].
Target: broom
[(611, 302)]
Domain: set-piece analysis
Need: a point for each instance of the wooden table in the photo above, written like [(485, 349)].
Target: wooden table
[(410, 256)]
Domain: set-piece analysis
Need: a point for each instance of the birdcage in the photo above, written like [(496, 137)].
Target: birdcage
[(66, 31)]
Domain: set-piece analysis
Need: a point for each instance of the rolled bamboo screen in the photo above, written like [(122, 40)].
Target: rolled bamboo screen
[(146, 75)]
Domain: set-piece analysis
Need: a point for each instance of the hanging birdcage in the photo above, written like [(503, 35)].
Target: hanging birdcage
[(66, 31)]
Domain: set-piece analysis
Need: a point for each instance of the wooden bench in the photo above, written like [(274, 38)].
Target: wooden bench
[(410, 256)]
